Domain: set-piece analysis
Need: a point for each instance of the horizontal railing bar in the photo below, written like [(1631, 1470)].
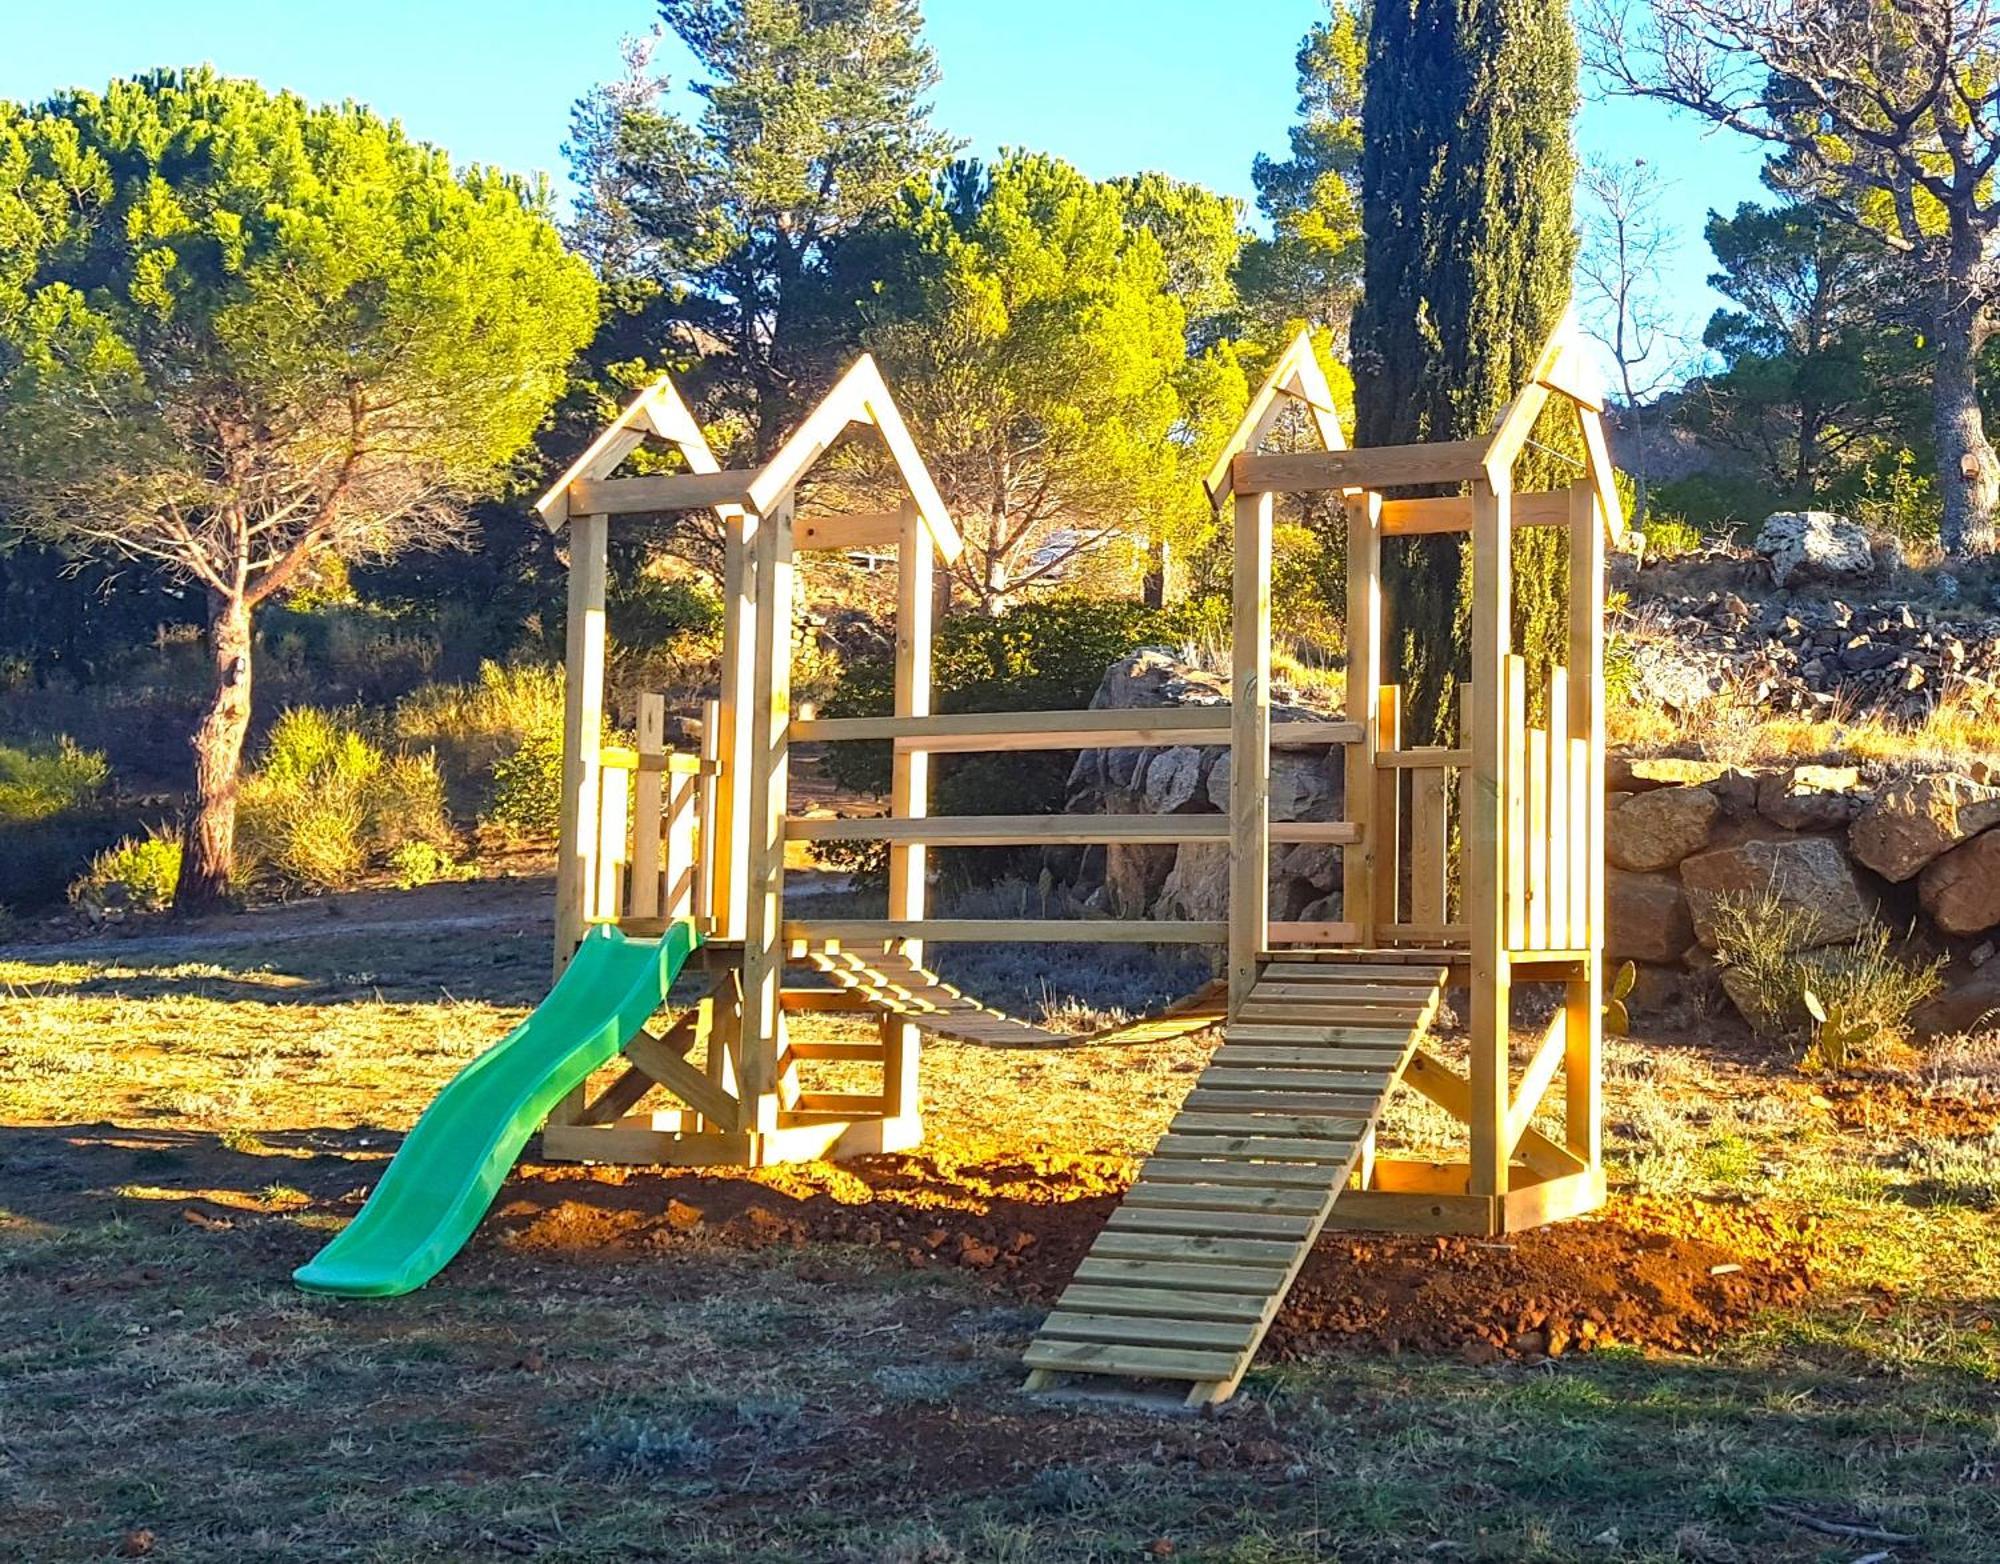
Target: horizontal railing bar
[(1054, 830), (618, 758), (960, 732), (1421, 759), (1453, 513), (1315, 933), (1109, 931), (658, 492)]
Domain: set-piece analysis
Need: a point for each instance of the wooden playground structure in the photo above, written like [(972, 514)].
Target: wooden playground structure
[(1473, 865)]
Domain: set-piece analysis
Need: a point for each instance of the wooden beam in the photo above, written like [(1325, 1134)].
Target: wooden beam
[(583, 721), (1013, 830), (1453, 513), (764, 860), (1583, 999), (1597, 462), (1295, 377), (1249, 822), (665, 491), (1535, 1079), (1483, 872), (875, 530), (1366, 516), (657, 410), (909, 791), (1001, 731), (1374, 467), (1082, 931)]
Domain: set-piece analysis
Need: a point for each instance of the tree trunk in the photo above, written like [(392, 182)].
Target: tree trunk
[(1967, 472), (208, 847)]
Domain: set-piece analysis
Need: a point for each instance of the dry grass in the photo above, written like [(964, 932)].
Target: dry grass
[(708, 1401), (1732, 728)]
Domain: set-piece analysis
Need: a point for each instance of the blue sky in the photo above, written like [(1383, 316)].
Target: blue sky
[(1191, 87)]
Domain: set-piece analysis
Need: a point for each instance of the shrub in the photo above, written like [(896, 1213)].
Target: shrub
[(137, 874), (472, 725), (527, 786), (417, 864), (1672, 537), (1777, 977), (41, 780), (326, 802)]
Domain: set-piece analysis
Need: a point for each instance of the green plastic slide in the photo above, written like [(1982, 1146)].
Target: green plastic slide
[(451, 1164)]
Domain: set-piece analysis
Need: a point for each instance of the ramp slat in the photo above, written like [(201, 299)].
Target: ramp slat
[(1187, 1275)]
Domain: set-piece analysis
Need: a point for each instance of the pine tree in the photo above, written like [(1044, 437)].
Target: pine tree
[(1466, 179)]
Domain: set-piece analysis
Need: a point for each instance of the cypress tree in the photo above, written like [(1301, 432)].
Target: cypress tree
[(1466, 174)]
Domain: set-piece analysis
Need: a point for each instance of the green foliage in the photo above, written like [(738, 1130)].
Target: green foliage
[(1671, 537), (527, 785), (1310, 268), (416, 864), (328, 802), (1617, 1018), (472, 727), (813, 118), (1466, 177), (1716, 502), (1029, 326), (645, 611), (1891, 496), (138, 874), (41, 780)]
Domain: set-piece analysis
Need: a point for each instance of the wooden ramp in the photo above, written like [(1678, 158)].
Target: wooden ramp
[(1191, 1269), (893, 982)]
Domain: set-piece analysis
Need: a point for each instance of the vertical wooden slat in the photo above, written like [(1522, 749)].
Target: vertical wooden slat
[(1559, 822), (1514, 824), (740, 591), (706, 797), (614, 816), (1535, 838), (1485, 867), (909, 787), (1428, 846), (1579, 844), (1385, 819), (683, 838), (1364, 678), (650, 791), (1582, 1066), (764, 863), (1250, 745), (583, 730)]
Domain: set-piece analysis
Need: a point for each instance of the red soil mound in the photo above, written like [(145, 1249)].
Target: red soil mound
[(1679, 1275)]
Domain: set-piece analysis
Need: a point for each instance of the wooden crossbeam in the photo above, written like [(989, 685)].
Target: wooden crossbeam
[(1374, 467)]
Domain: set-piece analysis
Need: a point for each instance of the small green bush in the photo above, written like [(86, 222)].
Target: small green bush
[(41, 780), (136, 875), (1671, 537), (327, 802), (527, 786), (417, 864)]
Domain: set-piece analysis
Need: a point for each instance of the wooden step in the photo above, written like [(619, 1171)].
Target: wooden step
[(1096, 1298), (1204, 1197), (1138, 1330), (1315, 1126), (1076, 1357), (1292, 1226)]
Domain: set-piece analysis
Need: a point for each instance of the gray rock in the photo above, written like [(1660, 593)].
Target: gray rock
[(1961, 889), (1645, 917), (1913, 820), (1657, 830), (1804, 546), (1302, 786), (1809, 876), (1174, 779), (1810, 798), (1970, 1004)]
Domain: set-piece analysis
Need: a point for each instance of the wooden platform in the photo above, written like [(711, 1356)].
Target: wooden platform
[(1191, 1269)]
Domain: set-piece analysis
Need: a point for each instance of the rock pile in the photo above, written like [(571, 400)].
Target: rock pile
[(1685, 838), (1808, 655), (1191, 880)]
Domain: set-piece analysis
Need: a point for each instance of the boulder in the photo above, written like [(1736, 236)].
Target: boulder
[(1302, 785), (1914, 819), (1806, 546), (1970, 1005), (1657, 830), (1197, 887), (1961, 888), (1312, 863), (1152, 676), (1173, 780), (1810, 877), (1644, 775), (1645, 918), (1810, 798)]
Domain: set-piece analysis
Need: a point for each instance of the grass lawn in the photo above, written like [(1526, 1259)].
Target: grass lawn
[(821, 1364)]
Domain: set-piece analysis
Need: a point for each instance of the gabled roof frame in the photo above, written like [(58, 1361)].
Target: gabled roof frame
[(1295, 377), (860, 396)]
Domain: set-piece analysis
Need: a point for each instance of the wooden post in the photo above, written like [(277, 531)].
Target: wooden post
[(651, 789), (1250, 746), (1364, 679), (614, 815), (706, 793), (1583, 1001), (740, 592), (583, 733), (909, 788), (1385, 815), (768, 723), (1485, 868)]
